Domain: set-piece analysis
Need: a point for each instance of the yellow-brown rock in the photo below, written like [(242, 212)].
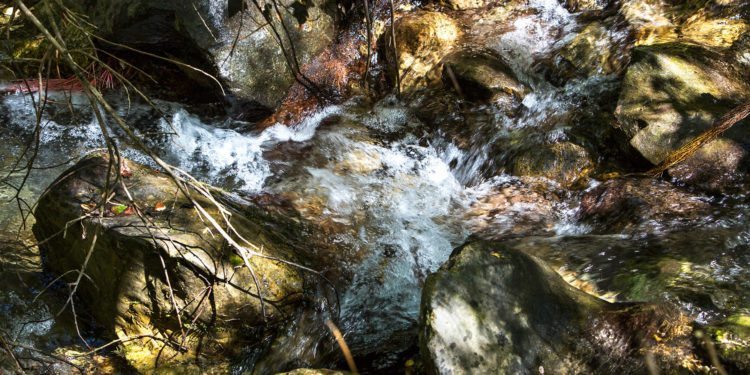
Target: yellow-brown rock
[(423, 39)]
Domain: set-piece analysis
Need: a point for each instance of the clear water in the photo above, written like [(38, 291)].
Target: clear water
[(401, 193)]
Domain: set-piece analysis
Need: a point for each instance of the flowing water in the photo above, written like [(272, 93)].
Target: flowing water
[(399, 191)]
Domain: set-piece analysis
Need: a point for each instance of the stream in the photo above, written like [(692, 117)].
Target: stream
[(401, 191)]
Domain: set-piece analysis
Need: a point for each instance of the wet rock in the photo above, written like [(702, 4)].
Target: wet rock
[(639, 205), (671, 93), (493, 309), (423, 39), (564, 162), (649, 19), (586, 5), (600, 48), (481, 77), (136, 274)]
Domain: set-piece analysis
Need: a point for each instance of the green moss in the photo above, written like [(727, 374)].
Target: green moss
[(740, 320), (236, 260)]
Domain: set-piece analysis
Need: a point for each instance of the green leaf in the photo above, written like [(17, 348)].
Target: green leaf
[(119, 209)]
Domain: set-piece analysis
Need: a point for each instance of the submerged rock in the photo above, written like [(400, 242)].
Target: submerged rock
[(137, 274), (494, 309), (672, 93), (516, 208), (640, 205), (423, 39), (697, 268)]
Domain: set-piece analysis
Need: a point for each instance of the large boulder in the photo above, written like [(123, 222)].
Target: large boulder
[(671, 93), (148, 258), (600, 48), (495, 309), (714, 24), (231, 40), (250, 58)]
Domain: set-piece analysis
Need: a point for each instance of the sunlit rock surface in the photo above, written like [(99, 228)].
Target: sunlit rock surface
[(138, 273), (493, 308), (673, 92), (422, 40)]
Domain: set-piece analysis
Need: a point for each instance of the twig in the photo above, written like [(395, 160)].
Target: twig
[(342, 344), (395, 48), (9, 350)]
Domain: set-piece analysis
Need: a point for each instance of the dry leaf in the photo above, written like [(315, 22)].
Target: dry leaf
[(125, 170)]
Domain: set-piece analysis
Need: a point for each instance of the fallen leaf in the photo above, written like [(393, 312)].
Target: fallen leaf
[(118, 209)]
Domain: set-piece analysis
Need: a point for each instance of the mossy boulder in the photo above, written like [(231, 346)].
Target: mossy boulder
[(156, 254), (495, 309), (423, 40)]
